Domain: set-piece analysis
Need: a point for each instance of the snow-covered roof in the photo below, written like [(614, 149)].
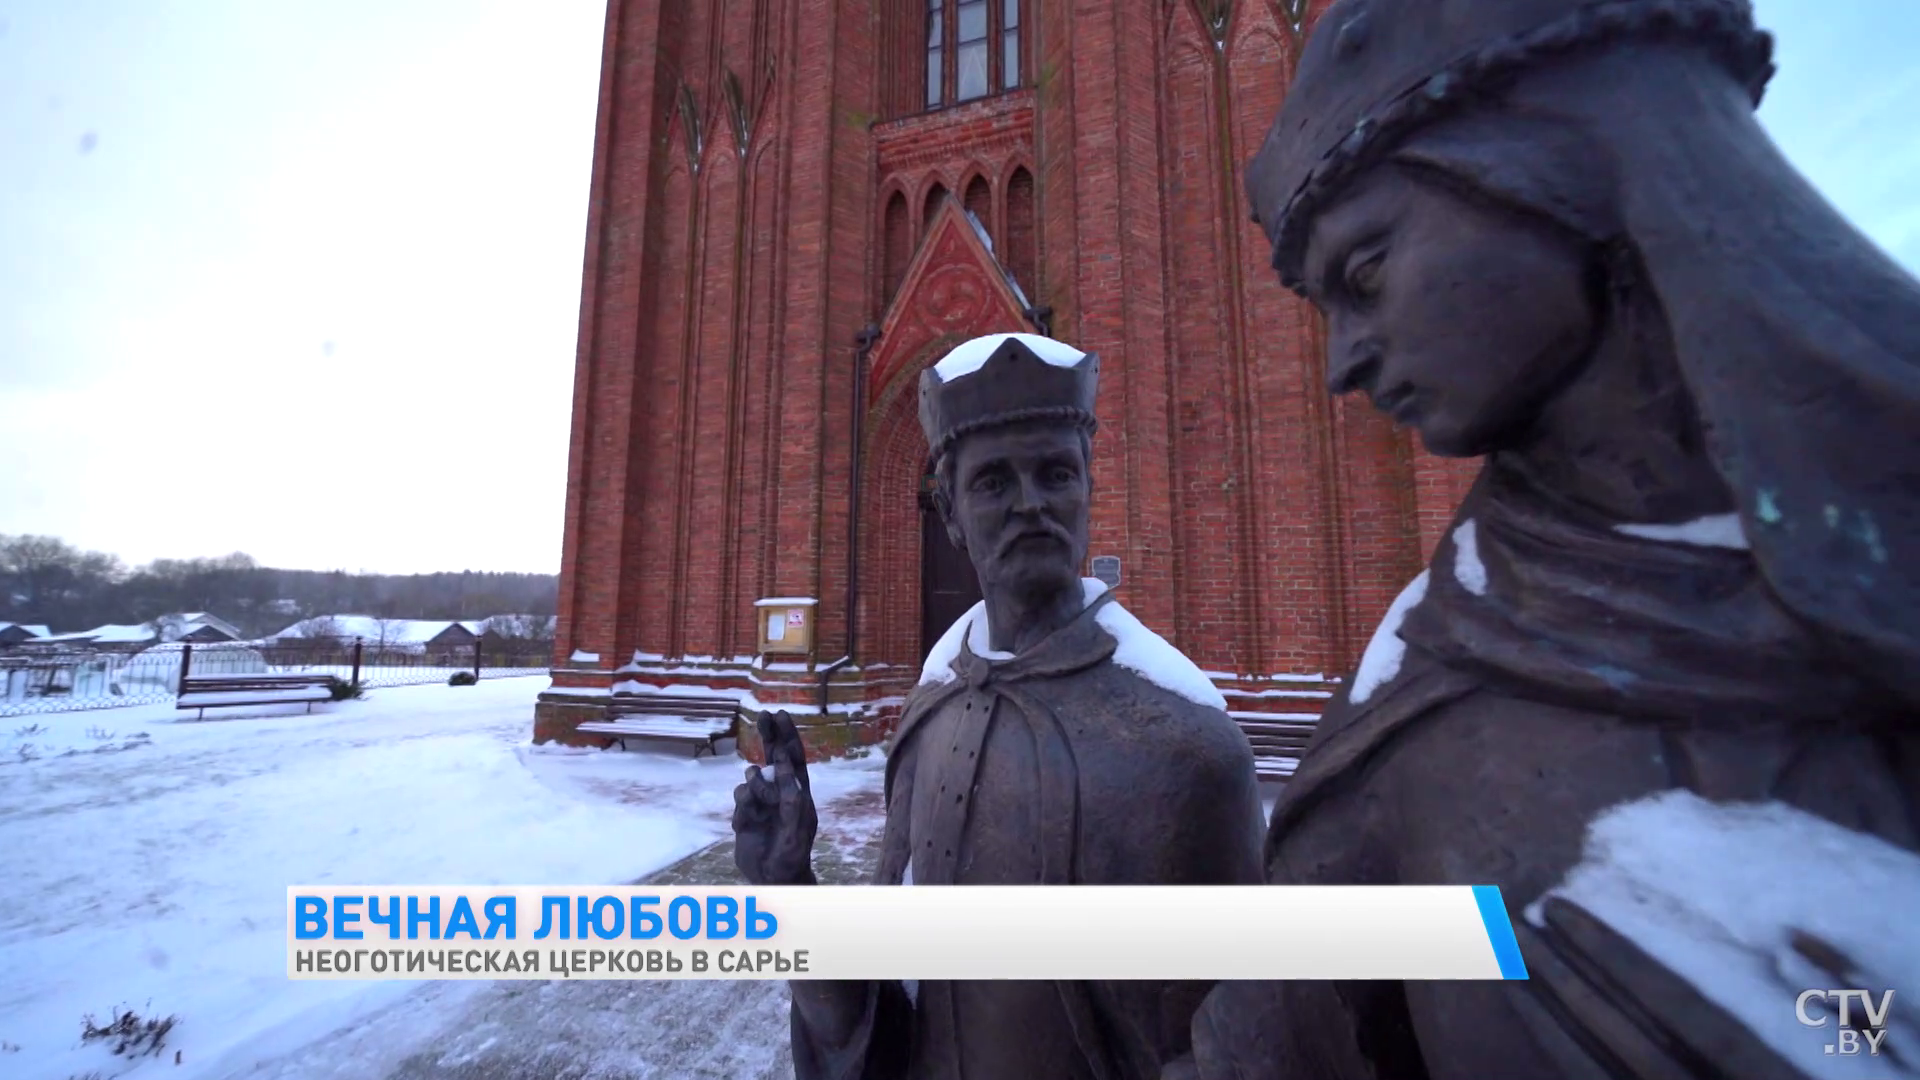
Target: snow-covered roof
[(110, 634), (35, 629), (1137, 649), (190, 619), (216, 648), (373, 628), (122, 634), (970, 356)]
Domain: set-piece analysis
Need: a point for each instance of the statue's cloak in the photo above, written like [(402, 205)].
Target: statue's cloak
[(1543, 669), (1099, 755)]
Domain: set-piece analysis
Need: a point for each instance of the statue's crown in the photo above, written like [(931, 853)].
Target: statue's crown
[(1007, 379)]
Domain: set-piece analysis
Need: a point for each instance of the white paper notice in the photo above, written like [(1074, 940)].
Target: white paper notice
[(776, 628)]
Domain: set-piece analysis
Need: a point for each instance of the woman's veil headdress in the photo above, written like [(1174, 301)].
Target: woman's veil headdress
[(1797, 337)]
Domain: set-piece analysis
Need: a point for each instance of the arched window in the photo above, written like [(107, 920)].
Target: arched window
[(979, 202), (934, 198), (896, 252), (963, 61), (1018, 248)]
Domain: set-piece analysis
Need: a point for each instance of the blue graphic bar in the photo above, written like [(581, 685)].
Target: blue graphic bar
[(1506, 948)]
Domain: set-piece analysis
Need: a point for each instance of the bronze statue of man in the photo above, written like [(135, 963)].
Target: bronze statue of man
[(1052, 740), (1552, 233)]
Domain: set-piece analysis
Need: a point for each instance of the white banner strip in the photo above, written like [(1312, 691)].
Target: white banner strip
[(863, 932)]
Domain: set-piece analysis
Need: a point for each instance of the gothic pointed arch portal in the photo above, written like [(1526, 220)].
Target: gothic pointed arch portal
[(911, 577)]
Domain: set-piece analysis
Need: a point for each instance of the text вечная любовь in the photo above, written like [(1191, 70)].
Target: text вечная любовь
[(602, 918), (350, 937)]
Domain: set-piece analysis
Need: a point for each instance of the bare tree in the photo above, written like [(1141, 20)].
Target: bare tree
[(46, 579), (521, 627), (391, 632)]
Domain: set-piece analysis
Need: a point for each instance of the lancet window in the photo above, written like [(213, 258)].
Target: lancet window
[(973, 49)]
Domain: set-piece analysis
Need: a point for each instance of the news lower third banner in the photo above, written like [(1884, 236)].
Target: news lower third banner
[(868, 933)]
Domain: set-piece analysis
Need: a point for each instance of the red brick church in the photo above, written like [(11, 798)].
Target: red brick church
[(798, 205)]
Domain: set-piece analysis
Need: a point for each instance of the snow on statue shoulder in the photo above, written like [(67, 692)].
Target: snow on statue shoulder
[(1136, 648)]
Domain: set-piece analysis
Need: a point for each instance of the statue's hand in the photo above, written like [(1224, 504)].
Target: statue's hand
[(773, 818)]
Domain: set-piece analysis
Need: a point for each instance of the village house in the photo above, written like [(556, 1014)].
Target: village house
[(18, 633), (192, 627), (440, 640), (198, 627)]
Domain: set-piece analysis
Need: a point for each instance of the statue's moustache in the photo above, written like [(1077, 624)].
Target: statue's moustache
[(1036, 532)]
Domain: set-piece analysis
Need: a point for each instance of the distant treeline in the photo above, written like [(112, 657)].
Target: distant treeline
[(45, 580)]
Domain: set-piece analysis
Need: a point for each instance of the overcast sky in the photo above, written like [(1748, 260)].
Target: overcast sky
[(301, 278)]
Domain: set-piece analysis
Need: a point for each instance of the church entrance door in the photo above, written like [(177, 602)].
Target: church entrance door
[(948, 585)]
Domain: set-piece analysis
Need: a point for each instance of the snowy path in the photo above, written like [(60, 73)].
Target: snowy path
[(597, 1030), (150, 868)]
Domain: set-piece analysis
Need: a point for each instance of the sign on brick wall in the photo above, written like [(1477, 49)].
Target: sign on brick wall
[(1107, 569)]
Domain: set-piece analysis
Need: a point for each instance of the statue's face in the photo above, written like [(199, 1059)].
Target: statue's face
[(1019, 506), (1457, 318)]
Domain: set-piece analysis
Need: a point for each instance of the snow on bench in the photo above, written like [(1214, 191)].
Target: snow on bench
[(223, 691), (1274, 768), (1278, 739), (703, 726), (700, 721), (264, 697)]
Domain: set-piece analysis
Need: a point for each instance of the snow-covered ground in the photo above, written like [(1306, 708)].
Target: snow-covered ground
[(147, 856)]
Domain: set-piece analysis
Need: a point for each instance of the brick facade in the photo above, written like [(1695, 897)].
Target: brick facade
[(765, 187)]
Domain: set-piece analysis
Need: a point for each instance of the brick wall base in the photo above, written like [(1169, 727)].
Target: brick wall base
[(864, 712), (558, 719), (867, 710), (825, 737)]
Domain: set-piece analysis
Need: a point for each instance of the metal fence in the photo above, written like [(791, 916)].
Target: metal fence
[(69, 680)]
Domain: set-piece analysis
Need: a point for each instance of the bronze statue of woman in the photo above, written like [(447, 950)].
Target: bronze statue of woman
[(1553, 234)]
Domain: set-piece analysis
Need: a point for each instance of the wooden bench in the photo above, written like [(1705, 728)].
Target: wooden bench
[(221, 691), (1279, 740), (1275, 769), (701, 722)]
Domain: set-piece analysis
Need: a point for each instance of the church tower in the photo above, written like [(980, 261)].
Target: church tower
[(797, 205)]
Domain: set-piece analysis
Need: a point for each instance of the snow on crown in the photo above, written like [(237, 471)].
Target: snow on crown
[(970, 356), (1006, 379)]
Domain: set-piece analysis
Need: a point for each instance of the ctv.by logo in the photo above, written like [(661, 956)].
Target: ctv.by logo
[(1848, 1038)]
